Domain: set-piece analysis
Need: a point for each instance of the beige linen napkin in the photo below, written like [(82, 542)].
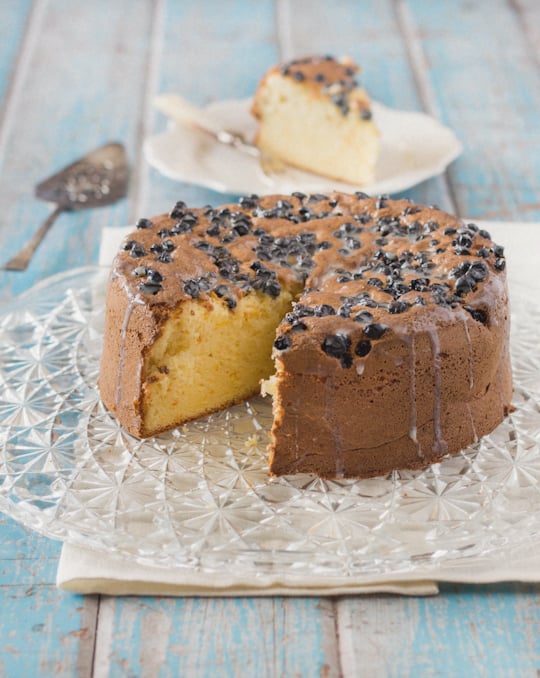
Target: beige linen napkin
[(82, 570)]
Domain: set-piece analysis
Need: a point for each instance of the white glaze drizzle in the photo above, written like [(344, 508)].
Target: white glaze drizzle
[(413, 428), (133, 300), (471, 377), (413, 433), (412, 393), (470, 357), (439, 445), (338, 444), (493, 287)]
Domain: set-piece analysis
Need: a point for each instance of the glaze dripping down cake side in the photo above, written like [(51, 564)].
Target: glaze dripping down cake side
[(380, 327), (313, 114)]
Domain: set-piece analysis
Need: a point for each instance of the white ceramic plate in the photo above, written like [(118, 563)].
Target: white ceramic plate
[(414, 147)]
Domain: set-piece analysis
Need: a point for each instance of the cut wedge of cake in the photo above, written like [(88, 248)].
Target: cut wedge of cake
[(313, 115)]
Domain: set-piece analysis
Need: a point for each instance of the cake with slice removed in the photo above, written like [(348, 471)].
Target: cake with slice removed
[(385, 325)]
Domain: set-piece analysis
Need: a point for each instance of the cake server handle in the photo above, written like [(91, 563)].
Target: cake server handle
[(21, 260), (184, 112)]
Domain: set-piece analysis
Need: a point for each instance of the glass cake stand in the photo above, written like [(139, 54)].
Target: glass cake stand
[(199, 497)]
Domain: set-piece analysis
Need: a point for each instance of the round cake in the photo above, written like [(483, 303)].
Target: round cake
[(379, 327)]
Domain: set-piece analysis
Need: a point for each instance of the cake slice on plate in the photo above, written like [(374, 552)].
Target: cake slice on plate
[(313, 115)]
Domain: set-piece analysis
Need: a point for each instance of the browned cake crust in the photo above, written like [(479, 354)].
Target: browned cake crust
[(395, 353)]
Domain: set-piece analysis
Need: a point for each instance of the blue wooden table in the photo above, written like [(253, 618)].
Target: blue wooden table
[(74, 75)]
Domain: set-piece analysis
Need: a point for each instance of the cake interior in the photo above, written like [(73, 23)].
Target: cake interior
[(306, 130), (208, 357)]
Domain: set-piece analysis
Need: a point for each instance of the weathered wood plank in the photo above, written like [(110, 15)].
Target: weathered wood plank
[(487, 87), (369, 32), (216, 637), (77, 86), (528, 16), (465, 631), (13, 18), (43, 632), (222, 57), (26, 558), (82, 87)]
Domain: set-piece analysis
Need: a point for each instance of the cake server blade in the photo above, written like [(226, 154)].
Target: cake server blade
[(97, 179)]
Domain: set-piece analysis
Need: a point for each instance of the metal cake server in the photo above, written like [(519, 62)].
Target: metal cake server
[(97, 179)]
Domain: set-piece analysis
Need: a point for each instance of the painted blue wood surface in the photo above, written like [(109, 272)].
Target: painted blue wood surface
[(74, 75), (488, 631), (15, 14), (184, 64), (484, 81), (465, 631), (218, 637), (44, 632), (82, 88)]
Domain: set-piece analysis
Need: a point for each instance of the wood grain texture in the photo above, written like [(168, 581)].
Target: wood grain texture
[(261, 637), (465, 631), (369, 32), (25, 557), (15, 15), (221, 57), (81, 88), (44, 631), (487, 86)]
